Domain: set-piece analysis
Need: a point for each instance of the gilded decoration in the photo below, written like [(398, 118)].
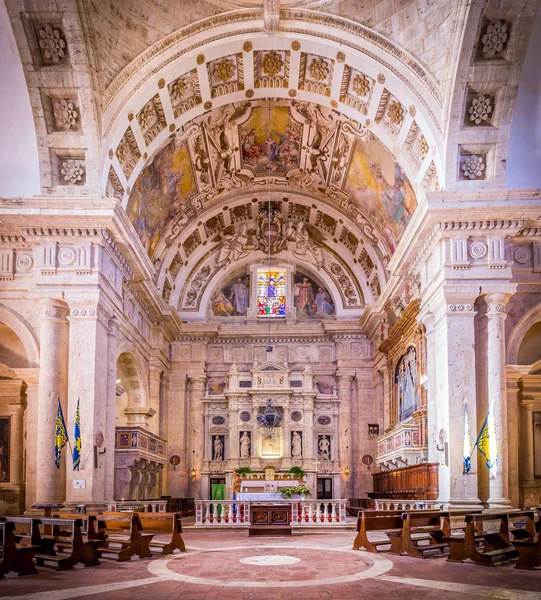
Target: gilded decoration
[(272, 63), (360, 85), (319, 69), (224, 70), (247, 46), (396, 112), (295, 45)]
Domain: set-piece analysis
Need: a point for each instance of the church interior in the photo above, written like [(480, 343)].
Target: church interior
[(270, 299)]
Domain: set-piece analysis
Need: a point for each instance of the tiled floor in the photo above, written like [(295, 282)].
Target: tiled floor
[(321, 566)]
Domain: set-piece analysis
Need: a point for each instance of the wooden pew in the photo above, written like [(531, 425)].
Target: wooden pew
[(485, 547), (90, 538), (122, 537), (418, 527), (65, 548), (529, 553), (164, 523), (16, 558), (375, 520)]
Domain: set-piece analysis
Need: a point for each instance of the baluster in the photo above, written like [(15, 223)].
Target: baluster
[(230, 514), (325, 512), (332, 516), (310, 513)]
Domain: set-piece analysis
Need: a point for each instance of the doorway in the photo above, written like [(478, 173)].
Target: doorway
[(324, 488)]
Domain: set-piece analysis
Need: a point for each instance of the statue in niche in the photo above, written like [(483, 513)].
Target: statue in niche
[(324, 448), (406, 378), (296, 445), (271, 228), (235, 246), (218, 448), (305, 247), (245, 444)]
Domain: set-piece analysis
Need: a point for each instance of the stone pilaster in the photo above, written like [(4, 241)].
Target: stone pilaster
[(196, 438), (454, 371), (155, 373), (88, 383), (496, 393), (108, 459), (513, 375), (53, 383), (343, 385)]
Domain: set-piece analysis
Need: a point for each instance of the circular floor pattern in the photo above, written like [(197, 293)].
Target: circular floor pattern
[(271, 560), (305, 566)]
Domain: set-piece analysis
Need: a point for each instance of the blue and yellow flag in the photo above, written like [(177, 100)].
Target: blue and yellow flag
[(486, 442), (60, 436), (77, 438), (466, 468)]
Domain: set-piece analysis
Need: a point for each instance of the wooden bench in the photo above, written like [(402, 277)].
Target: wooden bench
[(375, 520), (16, 558), (90, 538), (121, 536), (164, 523), (485, 547), (431, 526), (529, 553)]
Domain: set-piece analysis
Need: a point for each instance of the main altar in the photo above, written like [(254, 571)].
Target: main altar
[(269, 416)]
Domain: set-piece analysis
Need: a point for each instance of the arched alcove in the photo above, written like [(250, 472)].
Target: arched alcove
[(530, 348), (12, 350)]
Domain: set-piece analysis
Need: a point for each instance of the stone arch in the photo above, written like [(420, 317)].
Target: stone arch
[(23, 332), (519, 332)]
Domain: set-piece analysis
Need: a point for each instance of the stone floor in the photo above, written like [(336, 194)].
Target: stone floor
[(312, 565)]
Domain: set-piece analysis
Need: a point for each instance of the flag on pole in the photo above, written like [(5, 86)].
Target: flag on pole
[(60, 436), (77, 438), (486, 442), (467, 443)]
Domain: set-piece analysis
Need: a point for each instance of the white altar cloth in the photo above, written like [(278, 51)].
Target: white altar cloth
[(255, 497)]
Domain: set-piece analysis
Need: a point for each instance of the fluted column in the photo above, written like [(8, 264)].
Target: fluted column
[(496, 393), (343, 385), (53, 382), (196, 430)]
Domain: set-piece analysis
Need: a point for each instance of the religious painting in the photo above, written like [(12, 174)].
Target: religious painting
[(123, 440), (4, 449), (216, 386), (406, 379), (161, 192), (271, 447), (325, 384), (310, 298), (271, 293), (381, 190), (231, 299), (273, 146)]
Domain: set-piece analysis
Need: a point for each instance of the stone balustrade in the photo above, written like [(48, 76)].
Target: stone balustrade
[(143, 505), (304, 513), (407, 504)]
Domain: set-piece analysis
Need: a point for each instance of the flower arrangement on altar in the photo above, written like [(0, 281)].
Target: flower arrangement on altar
[(295, 490)]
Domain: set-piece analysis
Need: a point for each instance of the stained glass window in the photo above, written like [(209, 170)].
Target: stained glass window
[(271, 293)]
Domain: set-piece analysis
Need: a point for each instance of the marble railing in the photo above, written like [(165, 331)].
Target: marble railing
[(303, 513), (138, 505), (407, 504)]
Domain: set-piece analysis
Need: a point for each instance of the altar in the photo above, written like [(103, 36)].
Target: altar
[(263, 490)]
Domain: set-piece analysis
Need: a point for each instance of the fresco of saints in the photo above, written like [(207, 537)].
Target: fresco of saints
[(250, 148), (240, 297), (221, 306), (323, 302), (288, 148), (304, 296)]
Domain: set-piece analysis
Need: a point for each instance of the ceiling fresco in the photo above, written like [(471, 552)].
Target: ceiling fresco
[(286, 144)]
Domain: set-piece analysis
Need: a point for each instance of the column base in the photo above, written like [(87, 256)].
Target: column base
[(499, 503), (463, 503)]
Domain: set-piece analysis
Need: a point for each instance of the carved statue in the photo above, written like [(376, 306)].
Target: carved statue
[(324, 448), (218, 453), (235, 246), (245, 444), (296, 445), (270, 229), (305, 247)]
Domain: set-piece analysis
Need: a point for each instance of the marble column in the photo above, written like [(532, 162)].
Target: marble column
[(513, 376), (30, 426), (343, 384), (107, 461), (496, 393), (16, 411), (196, 434), (53, 383)]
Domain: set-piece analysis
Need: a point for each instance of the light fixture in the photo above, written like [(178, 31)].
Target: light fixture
[(193, 474), (269, 418), (347, 471)]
